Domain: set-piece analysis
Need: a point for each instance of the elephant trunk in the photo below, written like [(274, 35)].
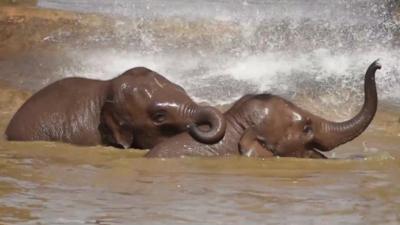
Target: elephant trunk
[(329, 135), (208, 124)]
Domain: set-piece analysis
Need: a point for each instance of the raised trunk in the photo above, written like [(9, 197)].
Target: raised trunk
[(329, 135)]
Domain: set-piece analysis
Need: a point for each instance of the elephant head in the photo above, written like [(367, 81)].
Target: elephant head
[(282, 133), (143, 108), (283, 129)]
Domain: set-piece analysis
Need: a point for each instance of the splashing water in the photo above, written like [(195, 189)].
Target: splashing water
[(220, 50)]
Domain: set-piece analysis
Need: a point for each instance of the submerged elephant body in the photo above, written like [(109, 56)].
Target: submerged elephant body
[(139, 109), (267, 125), (67, 110)]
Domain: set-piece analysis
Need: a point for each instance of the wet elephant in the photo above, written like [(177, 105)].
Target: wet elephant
[(267, 125), (138, 109)]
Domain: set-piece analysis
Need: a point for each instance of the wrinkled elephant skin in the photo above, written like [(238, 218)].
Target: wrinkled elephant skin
[(138, 109)]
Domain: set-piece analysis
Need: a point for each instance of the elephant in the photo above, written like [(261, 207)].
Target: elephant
[(267, 125), (137, 109)]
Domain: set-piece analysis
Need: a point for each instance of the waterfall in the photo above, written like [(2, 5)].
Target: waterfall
[(220, 50)]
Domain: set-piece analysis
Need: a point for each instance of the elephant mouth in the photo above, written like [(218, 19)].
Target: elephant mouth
[(312, 153), (169, 130), (315, 154)]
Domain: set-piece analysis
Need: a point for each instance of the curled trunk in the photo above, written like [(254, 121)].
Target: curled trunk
[(329, 135), (208, 125)]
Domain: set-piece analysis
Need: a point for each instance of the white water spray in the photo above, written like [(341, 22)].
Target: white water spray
[(219, 50)]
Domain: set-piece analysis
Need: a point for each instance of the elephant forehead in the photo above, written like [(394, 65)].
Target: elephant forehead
[(124, 86), (127, 92), (154, 92), (266, 111), (296, 116), (167, 104), (148, 92), (159, 83)]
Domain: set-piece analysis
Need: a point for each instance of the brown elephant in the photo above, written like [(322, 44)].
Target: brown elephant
[(266, 125), (138, 109)]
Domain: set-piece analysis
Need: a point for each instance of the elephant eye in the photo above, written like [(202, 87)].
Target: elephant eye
[(159, 116), (262, 141), (307, 129)]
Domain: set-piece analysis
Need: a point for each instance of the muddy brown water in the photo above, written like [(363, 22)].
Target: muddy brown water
[(49, 183), (54, 183)]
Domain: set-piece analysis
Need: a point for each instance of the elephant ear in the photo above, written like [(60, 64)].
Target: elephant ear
[(250, 146), (111, 131)]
